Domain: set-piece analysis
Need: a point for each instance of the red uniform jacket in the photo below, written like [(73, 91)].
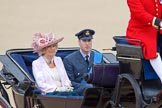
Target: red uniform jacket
[(141, 26)]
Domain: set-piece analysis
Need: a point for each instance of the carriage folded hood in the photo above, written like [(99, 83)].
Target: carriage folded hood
[(12, 74)]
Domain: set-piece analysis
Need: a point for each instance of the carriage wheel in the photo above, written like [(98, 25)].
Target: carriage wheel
[(127, 98), (4, 103), (128, 93)]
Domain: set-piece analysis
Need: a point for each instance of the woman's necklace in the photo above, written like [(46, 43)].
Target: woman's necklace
[(47, 60)]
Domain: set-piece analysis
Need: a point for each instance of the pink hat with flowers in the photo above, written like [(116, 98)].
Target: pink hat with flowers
[(41, 41)]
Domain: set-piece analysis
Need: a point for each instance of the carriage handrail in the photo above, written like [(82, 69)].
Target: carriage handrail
[(126, 58)]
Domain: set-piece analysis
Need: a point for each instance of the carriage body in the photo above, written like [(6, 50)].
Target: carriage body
[(17, 73), (122, 81)]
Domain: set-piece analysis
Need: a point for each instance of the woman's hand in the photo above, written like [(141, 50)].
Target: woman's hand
[(70, 88)]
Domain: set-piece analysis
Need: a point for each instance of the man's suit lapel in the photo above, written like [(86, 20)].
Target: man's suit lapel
[(80, 58)]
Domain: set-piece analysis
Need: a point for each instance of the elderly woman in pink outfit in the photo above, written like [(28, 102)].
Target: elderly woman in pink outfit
[(48, 69)]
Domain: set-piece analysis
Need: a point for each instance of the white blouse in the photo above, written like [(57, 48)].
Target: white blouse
[(56, 76)]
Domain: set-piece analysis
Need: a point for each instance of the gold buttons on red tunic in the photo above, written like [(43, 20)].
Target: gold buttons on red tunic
[(156, 8)]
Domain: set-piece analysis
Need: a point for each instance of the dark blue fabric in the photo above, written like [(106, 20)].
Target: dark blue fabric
[(37, 91), (18, 58), (25, 59), (62, 97), (149, 73), (120, 40), (72, 93), (159, 42)]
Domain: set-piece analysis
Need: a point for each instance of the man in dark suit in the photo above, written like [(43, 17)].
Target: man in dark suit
[(81, 61)]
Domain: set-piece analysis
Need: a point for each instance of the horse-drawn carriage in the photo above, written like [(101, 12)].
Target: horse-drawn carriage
[(128, 82)]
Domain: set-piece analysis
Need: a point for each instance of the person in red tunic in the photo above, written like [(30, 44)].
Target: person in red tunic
[(145, 25)]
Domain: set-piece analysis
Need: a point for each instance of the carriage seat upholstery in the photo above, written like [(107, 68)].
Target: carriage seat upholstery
[(25, 59), (25, 62)]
